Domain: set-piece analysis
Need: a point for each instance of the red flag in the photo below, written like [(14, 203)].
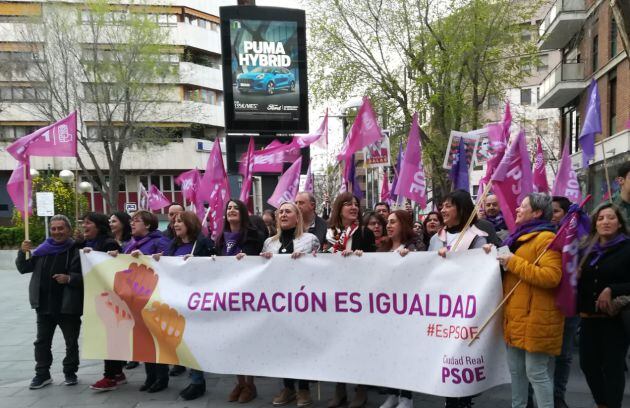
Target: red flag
[(58, 139)]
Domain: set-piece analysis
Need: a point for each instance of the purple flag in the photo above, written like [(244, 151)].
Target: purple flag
[(575, 226), (566, 183), (459, 169), (540, 171), (157, 201), (215, 189), (189, 182), (248, 172), (364, 131), (385, 192), (512, 180), (288, 185), (309, 185), (411, 179), (15, 187), (58, 139), (399, 160), (498, 136), (592, 124)]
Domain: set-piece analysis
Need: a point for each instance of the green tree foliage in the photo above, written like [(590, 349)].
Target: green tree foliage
[(442, 59), (65, 200)]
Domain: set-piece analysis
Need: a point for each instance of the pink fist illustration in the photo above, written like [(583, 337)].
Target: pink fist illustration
[(118, 321)]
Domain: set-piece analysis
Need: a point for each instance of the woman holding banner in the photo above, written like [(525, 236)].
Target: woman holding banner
[(603, 290), (400, 238), (432, 223), (347, 236), (290, 239), (457, 208), (532, 322), (239, 238), (377, 224)]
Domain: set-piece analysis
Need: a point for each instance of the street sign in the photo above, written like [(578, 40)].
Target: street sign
[(45, 202), (131, 207)]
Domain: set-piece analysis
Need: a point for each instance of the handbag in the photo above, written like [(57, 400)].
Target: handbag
[(621, 306)]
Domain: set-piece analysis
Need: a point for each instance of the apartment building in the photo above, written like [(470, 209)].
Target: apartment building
[(590, 45), (194, 100)]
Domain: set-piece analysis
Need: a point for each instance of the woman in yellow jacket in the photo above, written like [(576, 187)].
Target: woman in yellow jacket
[(532, 324)]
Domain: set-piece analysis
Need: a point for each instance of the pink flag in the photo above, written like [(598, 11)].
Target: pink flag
[(566, 183), (411, 180), (512, 180), (271, 159), (189, 182), (58, 139), (215, 189), (157, 201), (385, 197), (15, 187), (288, 185), (143, 197), (364, 131), (498, 136), (309, 185), (248, 172), (319, 138), (540, 171)]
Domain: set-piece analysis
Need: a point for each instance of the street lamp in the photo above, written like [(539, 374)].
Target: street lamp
[(66, 176), (84, 187), (34, 173)]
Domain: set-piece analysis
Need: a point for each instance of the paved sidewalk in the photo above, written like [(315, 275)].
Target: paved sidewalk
[(17, 328)]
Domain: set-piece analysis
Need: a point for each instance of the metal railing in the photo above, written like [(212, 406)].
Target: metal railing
[(558, 7), (564, 71)]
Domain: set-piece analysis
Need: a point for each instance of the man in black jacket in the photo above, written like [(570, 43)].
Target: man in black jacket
[(56, 294), (316, 225)]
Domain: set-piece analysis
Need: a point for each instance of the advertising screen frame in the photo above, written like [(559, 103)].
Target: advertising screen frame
[(263, 125)]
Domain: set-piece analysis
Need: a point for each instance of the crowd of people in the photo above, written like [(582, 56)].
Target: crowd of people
[(538, 337)]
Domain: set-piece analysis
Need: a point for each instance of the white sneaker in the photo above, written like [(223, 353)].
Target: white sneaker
[(405, 403), (390, 402)]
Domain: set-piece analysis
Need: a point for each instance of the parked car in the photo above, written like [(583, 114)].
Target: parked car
[(266, 79)]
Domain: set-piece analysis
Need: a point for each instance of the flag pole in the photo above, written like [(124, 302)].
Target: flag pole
[(26, 206)]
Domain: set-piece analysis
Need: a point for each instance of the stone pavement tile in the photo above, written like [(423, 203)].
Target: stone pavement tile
[(9, 391), (59, 400), (18, 402)]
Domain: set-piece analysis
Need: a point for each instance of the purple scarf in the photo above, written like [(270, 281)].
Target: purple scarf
[(136, 243), (529, 227), (600, 250), (52, 247), (183, 249), (231, 243), (498, 222)]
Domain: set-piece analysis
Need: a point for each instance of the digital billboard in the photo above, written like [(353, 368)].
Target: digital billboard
[(264, 69)]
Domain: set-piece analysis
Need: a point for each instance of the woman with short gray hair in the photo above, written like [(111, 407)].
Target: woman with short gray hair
[(532, 323)]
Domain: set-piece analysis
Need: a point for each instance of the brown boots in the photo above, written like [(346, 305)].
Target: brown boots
[(340, 397)]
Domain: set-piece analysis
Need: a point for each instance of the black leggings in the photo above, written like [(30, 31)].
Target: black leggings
[(603, 346), (402, 393), (290, 383)]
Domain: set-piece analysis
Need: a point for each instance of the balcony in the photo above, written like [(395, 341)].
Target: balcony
[(194, 74), (562, 85), (197, 37), (562, 22)]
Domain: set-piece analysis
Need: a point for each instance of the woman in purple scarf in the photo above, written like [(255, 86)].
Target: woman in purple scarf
[(604, 280)]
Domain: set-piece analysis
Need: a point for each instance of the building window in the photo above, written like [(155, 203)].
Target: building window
[(24, 93), (613, 38), (570, 128), (15, 132), (526, 96), (493, 101), (202, 95), (543, 63), (612, 102), (594, 53)]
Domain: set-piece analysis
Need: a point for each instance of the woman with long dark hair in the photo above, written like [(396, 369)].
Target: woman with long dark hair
[(239, 238), (432, 223), (120, 225), (347, 236), (603, 289)]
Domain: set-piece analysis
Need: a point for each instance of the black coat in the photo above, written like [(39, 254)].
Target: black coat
[(203, 247), (319, 230), (103, 244), (363, 239), (62, 298), (251, 242), (612, 271)]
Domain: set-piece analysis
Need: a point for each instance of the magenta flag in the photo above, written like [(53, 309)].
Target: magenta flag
[(498, 136), (512, 180), (319, 138), (592, 124), (309, 185), (248, 172), (575, 226), (385, 197), (215, 189), (411, 180), (540, 171), (288, 185), (189, 182), (566, 183), (15, 187), (271, 159), (58, 139), (143, 197), (364, 131), (157, 200)]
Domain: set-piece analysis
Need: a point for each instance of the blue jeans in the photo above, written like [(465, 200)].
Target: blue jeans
[(196, 377), (563, 361), (534, 368)]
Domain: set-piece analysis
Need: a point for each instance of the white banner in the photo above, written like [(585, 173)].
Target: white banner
[(379, 319)]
